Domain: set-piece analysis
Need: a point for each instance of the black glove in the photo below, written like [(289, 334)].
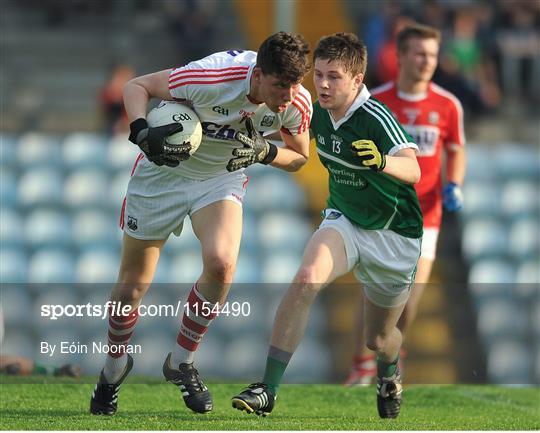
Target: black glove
[(256, 149), (153, 142), (370, 155)]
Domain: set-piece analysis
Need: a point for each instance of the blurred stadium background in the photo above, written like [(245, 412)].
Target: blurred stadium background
[(65, 162)]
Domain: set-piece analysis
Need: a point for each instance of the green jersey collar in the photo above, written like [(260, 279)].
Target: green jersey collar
[(360, 99)]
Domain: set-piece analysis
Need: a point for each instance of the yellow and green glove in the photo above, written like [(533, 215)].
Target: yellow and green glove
[(369, 154)]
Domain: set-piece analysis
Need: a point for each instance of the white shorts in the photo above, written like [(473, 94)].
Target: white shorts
[(158, 201), (383, 261), (429, 243)]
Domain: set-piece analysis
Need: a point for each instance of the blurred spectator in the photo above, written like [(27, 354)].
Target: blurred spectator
[(432, 13), (374, 33), (21, 366), (519, 41), (467, 66), (58, 13), (112, 102), (463, 46), (192, 24), (386, 60), (448, 76)]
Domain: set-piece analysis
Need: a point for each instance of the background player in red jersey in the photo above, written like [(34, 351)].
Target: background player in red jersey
[(434, 119)]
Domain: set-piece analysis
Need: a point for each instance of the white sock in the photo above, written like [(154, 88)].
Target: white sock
[(114, 368), (181, 356)]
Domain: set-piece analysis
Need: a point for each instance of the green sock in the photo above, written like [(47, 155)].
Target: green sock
[(276, 364), (42, 370), (385, 369)]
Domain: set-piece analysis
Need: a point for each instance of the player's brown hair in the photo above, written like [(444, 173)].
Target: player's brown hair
[(412, 31), (284, 55), (345, 48)]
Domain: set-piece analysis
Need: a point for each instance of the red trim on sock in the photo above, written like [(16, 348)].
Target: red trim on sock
[(186, 343), (123, 326), (200, 306), (359, 359), (193, 326)]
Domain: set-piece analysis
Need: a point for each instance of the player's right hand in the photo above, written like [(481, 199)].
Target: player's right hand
[(153, 142), (256, 149)]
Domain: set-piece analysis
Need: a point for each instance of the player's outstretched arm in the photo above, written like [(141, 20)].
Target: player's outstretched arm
[(403, 166)]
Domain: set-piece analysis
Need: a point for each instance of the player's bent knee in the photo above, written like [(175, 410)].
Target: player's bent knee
[(220, 269), (128, 293), (375, 342)]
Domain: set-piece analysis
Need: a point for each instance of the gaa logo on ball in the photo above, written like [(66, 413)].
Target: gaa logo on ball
[(174, 112)]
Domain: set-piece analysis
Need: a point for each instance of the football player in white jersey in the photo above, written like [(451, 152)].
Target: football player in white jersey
[(237, 95)]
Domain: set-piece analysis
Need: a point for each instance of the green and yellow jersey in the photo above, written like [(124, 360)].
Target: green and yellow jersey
[(370, 199)]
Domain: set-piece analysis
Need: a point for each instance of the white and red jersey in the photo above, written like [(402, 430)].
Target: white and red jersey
[(217, 88), (434, 120)]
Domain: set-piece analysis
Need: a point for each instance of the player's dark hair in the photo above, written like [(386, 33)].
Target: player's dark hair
[(284, 55), (419, 31), (345, 48)]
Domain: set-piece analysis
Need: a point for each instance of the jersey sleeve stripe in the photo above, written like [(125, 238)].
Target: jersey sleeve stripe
[(390, 125), (388, 116), (306, 107), (383, 123), (303, 105), (305, 119), (304, 99), (176, 72), (397, 148), (184, 83), (197, 74)]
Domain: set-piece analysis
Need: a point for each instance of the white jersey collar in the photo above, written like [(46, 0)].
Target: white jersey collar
[(247, 82), (412, 97), (360, 99)]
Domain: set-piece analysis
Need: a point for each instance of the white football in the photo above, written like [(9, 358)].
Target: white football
[(174, 112)]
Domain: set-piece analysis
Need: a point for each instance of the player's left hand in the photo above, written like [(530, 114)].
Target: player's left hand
[(256, 149), (369, 154), (452, 197), (153, 142)]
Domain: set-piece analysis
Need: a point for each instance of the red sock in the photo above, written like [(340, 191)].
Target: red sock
[(197, 317), (120, 331)]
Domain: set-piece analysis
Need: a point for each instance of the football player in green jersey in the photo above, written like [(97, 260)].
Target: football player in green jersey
[(373, 223)]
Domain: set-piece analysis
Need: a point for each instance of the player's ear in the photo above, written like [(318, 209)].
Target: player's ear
[(358, 80), (257, 73)]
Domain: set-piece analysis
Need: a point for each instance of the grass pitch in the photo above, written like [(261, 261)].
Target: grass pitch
[(64, 405)]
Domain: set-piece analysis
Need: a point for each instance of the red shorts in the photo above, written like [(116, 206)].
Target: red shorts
[(431, 206)]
